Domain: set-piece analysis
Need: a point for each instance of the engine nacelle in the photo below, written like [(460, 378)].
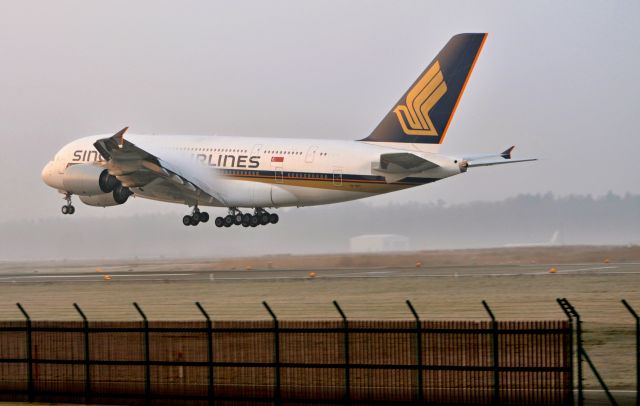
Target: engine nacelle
[(119, 196), (103, 200), (88, 180)]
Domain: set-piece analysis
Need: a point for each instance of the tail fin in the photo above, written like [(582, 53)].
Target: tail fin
[(423, 114)]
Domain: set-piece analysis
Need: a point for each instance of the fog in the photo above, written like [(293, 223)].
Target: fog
[(526, 219), (557, 79)]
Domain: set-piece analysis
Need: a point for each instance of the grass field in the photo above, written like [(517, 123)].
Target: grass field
[(608, 326)]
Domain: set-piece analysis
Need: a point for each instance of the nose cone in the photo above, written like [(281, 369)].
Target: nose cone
[(51, 177)]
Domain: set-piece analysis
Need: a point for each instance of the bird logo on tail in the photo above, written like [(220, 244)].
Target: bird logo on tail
[(414, 114)]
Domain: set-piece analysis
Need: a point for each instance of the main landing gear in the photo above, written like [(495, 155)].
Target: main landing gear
[(68, 208), (196, 217), (237, 218)]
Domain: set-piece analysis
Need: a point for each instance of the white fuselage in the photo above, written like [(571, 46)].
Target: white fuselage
[(262, 172)]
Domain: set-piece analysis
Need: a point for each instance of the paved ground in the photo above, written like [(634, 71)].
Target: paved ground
[(153, 273)]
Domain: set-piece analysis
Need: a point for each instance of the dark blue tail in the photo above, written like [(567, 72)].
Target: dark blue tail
[(424, 112)]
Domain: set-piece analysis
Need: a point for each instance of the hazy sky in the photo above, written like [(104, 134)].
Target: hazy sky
[(557, 79)]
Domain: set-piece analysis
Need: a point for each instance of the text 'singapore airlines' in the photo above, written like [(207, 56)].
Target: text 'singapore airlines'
[(249, 176)]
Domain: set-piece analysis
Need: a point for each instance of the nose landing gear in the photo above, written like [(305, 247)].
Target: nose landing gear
[(68, 208)]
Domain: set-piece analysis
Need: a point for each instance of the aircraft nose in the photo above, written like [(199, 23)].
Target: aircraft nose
[(50, 177)]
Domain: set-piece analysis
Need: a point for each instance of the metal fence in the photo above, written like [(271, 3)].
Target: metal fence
[(287, 362)]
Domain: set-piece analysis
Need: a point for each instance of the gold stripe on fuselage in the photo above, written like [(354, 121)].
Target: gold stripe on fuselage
[(348, 185)]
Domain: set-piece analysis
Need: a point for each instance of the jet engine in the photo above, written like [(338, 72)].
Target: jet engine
[(87, 180), (94, 185), (119, 196)]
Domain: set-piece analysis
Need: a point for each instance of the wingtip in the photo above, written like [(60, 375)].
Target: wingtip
[(506, 154), (119, 136)]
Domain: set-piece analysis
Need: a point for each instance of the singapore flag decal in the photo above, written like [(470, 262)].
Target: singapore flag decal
[(277, 159)]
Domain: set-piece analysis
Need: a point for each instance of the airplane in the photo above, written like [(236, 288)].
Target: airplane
[(553, 241), (250, 175)]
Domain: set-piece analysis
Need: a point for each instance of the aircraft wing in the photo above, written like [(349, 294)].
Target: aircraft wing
[(399, 165), (139, 169)]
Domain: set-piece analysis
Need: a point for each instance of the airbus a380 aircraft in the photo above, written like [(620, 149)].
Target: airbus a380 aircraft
[(259, 173)]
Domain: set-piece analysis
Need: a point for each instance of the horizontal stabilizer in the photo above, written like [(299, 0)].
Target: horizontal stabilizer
[(506, 154), (491, 163)]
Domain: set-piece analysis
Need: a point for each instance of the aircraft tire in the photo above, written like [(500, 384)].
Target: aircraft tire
[(219, 222), (204, 217), (228, 221), (273, 218), (186, 220), (255, 221), (237, 219), (72, 209), (264, 219), (65, 210)]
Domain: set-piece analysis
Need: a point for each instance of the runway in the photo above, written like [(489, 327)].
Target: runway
[(142, 273)]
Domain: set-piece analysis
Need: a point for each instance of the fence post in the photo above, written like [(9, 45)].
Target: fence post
[(635, 315), (87, 362), (568, 308), (570, 320), (30, 392), (209, 352), (147, 365), (418, 351), (276, 349), (496, 360), (583, 355), (580, 345), (347, 370)]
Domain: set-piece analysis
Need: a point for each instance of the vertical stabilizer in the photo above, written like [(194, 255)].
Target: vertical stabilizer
[(423, 114)]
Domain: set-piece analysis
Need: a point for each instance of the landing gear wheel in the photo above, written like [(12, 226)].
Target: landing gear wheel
[(246, 223), (264, 219), (228, 221), (195, 217), (219, 222), (237, 219), (186, 220), (194, 221), (273, 218), (204, 217), (68, 208), (246, 218), (255, 221)]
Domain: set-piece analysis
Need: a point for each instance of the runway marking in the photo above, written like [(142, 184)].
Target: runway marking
[(588, 269), (368, 273), (93, 281), (212, 277), (100, 275)]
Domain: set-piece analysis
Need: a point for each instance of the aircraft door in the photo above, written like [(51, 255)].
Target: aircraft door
[(311, 154), (256, 150), (279, 176), (337, 177)]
